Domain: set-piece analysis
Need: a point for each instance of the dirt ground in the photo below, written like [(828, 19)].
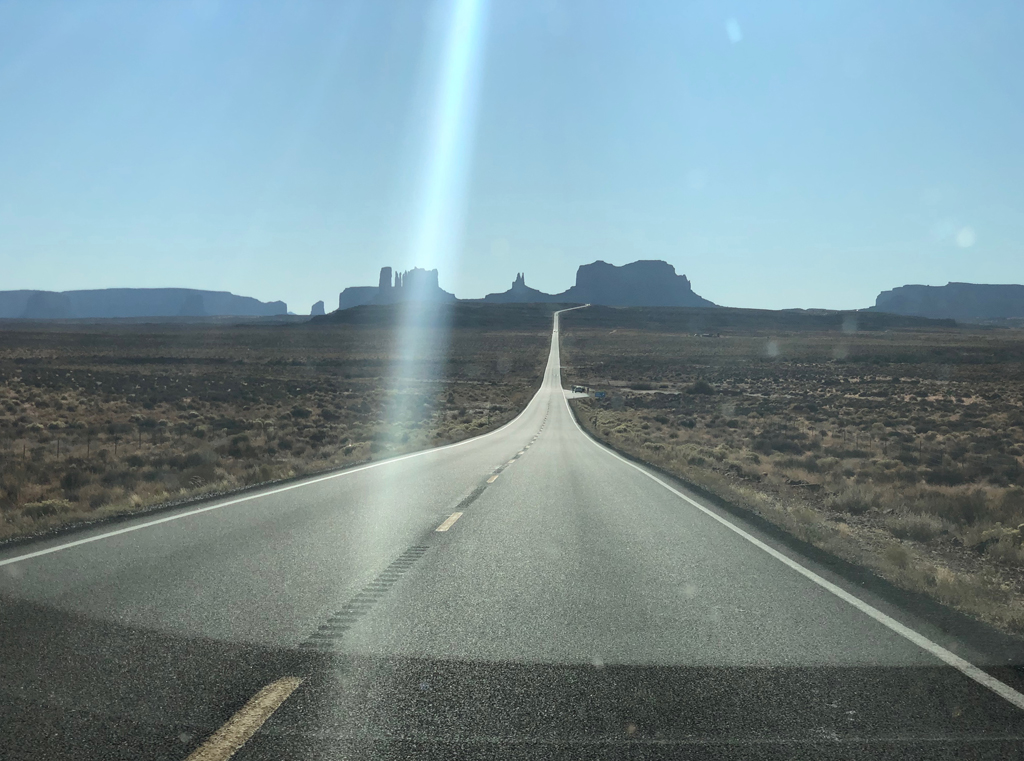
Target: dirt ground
[(102, 419), (899, 448)]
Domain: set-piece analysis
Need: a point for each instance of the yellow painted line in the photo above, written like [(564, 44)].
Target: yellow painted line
[(492, 479), (448, 522), (223, 743), (511, 461)]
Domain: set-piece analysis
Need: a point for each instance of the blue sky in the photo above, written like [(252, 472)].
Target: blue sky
[(779, 154)]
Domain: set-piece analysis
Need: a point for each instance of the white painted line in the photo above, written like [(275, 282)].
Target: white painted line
[(248, 497), (227, 740), (949, 658), (449, 521)]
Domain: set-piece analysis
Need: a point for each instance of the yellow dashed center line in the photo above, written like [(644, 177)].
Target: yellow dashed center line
[(223, 743), (492, 479), (448, 522)]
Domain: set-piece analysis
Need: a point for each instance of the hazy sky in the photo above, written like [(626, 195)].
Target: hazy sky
[(779, 154)]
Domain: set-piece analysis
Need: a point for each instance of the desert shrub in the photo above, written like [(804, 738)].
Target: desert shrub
[(99, 498), (257, 475), (945, 476), (700, 387), (1007, 550), (74, 479), (846, 453), (896, 555), (807, 463), (46, 508), (201, 474), (229, 424), (855, 500), (191, 460), (769, 444), (1010, 507), (959, 508), (920, 528), (126, 479)]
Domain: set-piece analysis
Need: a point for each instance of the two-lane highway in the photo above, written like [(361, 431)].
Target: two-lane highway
[(524, 594)]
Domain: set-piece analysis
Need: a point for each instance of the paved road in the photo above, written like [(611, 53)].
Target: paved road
[(577, 608)]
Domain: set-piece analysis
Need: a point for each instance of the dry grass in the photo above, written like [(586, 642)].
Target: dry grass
[(902, 450), (96, 421)]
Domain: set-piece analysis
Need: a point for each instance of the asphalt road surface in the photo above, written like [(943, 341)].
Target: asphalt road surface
[(575, 607)]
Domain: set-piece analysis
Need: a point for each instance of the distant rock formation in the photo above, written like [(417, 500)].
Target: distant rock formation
[(639, 284), (132, 302), (412, 285), (520, 293), (415, 285), (193, 306), (317, 310), (642, 283), (963, 302), (44, 305), (356, 296)]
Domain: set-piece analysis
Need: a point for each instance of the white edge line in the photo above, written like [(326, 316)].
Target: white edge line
[(248, 497), (952, 659)]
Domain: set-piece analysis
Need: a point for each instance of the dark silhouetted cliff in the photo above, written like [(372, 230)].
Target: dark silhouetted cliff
[(356, 296), (963, 302), (519, 293), (132, 302), (641, 284), (412, 285)]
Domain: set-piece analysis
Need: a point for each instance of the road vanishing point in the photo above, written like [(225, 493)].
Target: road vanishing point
[(525, 594)]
